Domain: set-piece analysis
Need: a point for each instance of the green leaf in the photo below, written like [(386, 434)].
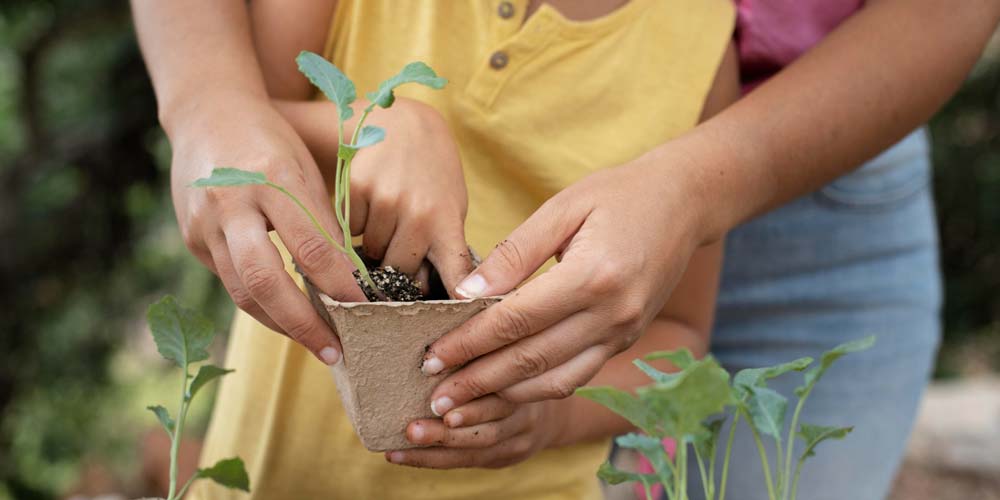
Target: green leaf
[(758, 377), (229, 472), (652, 449), (333, 82), (206, 374), (609, 474), (182, 335), (368, 136), (813, 375), (707, 446), (224, 177), (681, 358), (164, 417), (653, 373), (415, 72), (684, 402), (816, 434), (767, 410), (622, 403)]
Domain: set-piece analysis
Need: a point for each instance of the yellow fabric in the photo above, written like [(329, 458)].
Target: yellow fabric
[(574, 97)]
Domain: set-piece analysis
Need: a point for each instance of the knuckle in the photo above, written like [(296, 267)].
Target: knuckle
[(259, 280), (629, 315), (510, 324), (283, 175), (606, 278), (489, 436), (242, 298), (560, 388), (509, 255), (299, 328), (474, 386), (528, 363), (314, 253)]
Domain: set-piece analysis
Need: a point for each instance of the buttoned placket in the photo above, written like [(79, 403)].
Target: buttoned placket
[(513, 44)]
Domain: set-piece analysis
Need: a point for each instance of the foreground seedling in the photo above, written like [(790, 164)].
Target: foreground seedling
[(690, 406)]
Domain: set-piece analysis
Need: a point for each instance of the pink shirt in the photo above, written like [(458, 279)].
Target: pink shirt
[(770, 34)]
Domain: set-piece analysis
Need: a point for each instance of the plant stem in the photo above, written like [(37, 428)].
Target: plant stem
[(779, 469), (725, 461), (795, 482), (349, 250), (765, 463), (649, 494), (175, 437), (180, 494), (682, 470), (791, 438), (706, 481)]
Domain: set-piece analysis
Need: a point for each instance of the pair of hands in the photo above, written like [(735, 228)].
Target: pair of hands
[(540, 343)]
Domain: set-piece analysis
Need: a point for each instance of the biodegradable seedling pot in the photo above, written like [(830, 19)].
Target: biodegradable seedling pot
[(379, 380)]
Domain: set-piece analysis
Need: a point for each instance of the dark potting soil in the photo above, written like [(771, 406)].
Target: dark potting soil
[(396, 285), (393, 284)]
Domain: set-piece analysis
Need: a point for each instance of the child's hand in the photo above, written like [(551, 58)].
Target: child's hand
[(488, 432), (408, 194)]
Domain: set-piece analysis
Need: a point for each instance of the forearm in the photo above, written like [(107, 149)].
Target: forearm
[(877, 77), (196, 51), (592, 421)]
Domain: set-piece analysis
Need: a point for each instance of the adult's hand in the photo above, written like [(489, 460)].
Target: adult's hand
[(227, 228), (622, 236)]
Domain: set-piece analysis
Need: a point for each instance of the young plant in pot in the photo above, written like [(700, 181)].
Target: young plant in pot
[(379, 380)]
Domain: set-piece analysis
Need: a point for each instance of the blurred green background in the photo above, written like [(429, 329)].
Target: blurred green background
[(90, 241)]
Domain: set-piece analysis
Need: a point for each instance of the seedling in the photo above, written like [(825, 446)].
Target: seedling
[(689, 406), (340, 90), (183, 336)]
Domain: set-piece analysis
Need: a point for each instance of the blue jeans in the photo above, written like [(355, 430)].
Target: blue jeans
[(857, 258)]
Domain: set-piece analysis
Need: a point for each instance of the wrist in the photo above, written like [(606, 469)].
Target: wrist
[(182, 111)]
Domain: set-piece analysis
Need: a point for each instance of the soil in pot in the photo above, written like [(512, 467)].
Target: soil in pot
[(396, 286)]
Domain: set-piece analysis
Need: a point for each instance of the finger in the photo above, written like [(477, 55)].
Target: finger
[(503, 454), (563, 380), (359, 213), (326, 266), (434, 432), (262, 273), (519, 361), (407, 250), (524, 251), (484, 409), (379, 227), (545, 300), (450, 255), (226, 272)]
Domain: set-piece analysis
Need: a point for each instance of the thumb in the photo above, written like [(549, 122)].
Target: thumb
[(518, 256)]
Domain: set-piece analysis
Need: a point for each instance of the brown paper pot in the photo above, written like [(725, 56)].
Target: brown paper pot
[(380, 383)]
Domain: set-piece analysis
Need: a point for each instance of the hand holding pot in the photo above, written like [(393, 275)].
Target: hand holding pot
[(488, 432), (227, 228), (623, 237)]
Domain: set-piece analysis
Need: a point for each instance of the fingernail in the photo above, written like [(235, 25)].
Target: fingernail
[(472, 287), (417, 433), (453, 419), (396, 457), (432, 366), (440, 406), (330, 355)]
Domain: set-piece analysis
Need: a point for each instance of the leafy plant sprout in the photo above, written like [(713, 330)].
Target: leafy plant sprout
[(341, 91), (183, 336), (689, 407)]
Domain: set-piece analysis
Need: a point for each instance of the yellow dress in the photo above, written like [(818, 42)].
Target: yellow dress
[(534, 106)]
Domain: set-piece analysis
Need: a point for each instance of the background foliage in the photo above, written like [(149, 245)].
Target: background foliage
[(90, 239)]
